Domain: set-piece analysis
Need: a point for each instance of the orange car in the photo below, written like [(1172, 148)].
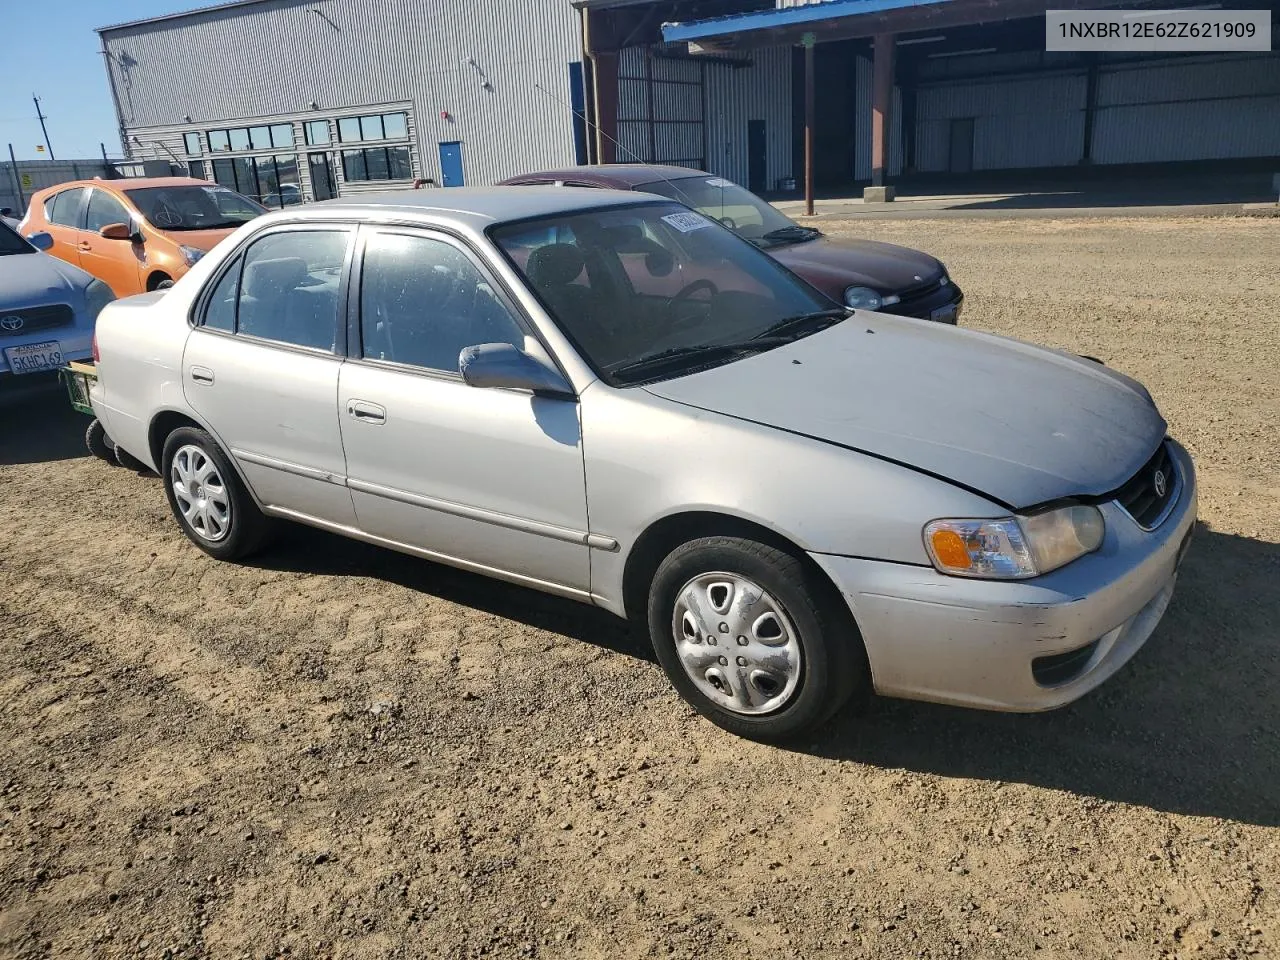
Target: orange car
[(140, 234)]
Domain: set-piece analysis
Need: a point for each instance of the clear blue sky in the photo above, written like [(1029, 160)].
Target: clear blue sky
[(52, 51)]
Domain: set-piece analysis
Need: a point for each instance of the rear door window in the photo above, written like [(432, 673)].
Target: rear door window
[(64, 208), (289, 288)]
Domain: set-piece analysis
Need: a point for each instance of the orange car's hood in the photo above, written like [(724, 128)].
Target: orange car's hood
[(204, 240)]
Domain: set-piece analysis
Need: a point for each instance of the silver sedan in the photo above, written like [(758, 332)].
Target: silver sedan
[(612, 398)]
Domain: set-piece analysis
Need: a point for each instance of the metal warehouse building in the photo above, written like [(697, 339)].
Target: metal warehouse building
[(283, 99)]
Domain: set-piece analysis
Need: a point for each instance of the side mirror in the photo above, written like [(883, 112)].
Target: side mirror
[(502, 365), (41, 240), (116, 231)]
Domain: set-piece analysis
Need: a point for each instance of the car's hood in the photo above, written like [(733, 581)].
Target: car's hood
[(832, 265), (204, 240), (36, 279), (1021, 424)]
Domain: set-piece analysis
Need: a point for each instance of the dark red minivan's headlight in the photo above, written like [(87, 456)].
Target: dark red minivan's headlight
[(97, 358)]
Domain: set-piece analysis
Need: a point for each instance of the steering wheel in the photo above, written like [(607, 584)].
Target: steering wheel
[(728, 222), (674, 304)]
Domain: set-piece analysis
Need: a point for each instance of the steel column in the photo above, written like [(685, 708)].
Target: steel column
[(808, 124)]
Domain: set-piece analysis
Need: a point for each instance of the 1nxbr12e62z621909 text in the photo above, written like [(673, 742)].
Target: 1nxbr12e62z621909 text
[(1157, 30)]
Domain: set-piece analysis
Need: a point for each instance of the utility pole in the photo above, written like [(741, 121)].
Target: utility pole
[(41, 117)]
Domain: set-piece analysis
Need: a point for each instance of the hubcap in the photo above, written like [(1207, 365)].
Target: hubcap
[(201, 495), (735, 643)]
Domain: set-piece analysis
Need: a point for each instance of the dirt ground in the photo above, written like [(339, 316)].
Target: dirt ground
[(338, 751)]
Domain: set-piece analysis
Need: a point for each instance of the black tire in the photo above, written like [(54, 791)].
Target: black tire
[(159, 281), (99, 444), (248, 529), (164, 284), (833, 662), (126, 459)]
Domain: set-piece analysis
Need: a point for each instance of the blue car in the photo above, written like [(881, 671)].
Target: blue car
[(47, 307)]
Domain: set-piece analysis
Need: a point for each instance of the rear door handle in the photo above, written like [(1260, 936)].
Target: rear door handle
[(202, 375), (366, 412)]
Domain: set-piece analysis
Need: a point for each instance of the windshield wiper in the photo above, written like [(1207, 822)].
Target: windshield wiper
[(701, 351), (818, 320), (793, 232)]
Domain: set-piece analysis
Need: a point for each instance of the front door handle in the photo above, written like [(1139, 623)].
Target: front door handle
[(84, 245), (366, 412), (202, 375)]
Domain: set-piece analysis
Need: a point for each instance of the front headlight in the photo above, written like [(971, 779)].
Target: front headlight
[(96, 296), (1014, 548), (190, 254), (862, 298)]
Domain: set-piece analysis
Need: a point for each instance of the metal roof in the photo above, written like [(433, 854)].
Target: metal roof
[(179, 15), (785, 17)]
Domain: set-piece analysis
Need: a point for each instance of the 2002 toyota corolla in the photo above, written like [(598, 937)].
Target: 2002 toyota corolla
[(618, 400)]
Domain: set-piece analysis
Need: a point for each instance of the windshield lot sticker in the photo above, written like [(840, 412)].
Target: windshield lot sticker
[(720, 182), (687, 222)]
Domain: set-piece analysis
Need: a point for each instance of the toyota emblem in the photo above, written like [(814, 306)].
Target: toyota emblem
[(1160, 482), (11, 323)]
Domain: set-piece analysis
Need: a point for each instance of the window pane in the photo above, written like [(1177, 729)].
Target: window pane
[(192, 141), (318, 131), (395, 125), (282, 135), (195, 168), (260, 137), (219, 141), (422, 301), (105, 209), (66, 208), (353, 165), (245, 181), (371, 128), (376, 161), (220, 313), (239, 139), (321, 177), (290, 288), (267, 182), (224, 173), (401, 164), (349, 129)]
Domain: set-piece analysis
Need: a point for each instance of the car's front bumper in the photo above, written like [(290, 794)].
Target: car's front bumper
[(941, 304), (977, 642), (73, 344)]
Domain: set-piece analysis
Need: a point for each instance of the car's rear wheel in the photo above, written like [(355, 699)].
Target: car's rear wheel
[(207, 497), (99, 444), (753, 639)]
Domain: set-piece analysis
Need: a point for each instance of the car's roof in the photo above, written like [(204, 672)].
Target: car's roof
[(626, 176), (478, 206), (133, 183)]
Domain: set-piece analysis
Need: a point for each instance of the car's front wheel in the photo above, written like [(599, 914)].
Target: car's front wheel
[(753, 639), (207, 497)]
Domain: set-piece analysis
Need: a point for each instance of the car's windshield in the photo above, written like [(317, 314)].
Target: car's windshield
[(188, 207), (740, 210), (653, 290), (11, 242)]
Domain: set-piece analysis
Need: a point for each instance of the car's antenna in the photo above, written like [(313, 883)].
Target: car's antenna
[(635, 157)]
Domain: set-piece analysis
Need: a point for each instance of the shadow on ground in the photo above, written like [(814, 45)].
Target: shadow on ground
[(1192, 725), (37, 422)]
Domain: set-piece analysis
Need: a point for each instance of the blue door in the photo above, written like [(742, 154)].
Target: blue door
[(451, 164)]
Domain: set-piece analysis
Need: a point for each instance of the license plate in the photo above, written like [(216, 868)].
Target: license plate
[(948, 314), (34, 357)]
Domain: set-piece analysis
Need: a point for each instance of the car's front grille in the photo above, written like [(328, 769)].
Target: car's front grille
[(1061, 668), (17, 323), (1148, 495), (920, 292)]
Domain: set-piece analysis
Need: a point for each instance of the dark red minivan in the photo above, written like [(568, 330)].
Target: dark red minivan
[(858, 273)]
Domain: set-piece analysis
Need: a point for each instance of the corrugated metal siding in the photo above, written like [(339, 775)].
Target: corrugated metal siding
[(738, 95), (277, 57), (1018, 122), (862, 125), (665, 93), (1206, 109)]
